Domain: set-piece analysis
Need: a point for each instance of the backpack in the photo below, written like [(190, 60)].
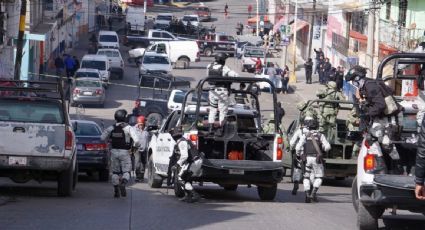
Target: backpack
[(118, 137), (392, 107)]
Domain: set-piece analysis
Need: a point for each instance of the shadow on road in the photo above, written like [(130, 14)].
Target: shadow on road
[(407, 222)]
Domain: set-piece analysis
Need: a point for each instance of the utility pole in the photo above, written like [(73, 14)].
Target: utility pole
[(257, 30), (370, 41), (20, 42), (293, 77), (285, 53), (310, 40)]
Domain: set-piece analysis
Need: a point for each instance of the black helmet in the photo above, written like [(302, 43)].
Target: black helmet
[(220, 58), (310, 123), (356, 73), (120, 115)]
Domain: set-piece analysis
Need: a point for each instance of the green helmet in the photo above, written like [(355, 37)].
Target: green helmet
[(331, 85), (302, 105)]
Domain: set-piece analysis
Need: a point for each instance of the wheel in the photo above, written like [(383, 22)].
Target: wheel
[(355, 194), (267, 193), (230, 187), (154, 119), (186, 62), (367, 217), (121, 75), (208, 52), (178, 190), (66, 181), (104, 175), (284, 171), (154, 180), (243, 69), (75, 179)]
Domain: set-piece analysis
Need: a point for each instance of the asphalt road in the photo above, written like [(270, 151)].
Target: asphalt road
[(35, 206)]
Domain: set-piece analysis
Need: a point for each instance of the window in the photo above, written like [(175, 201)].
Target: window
[(164, 17), (86, 129), (108, 38), (161, 48), (156, 34), (402, 12), (82, 83), (155, 60), (388, 10), (109, 53), (91, 64), (166, 35), (48, 5), (31, 111), (254, 53), (86, 74)]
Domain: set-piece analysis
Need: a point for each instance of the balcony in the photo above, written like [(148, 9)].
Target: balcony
[(401, 38)]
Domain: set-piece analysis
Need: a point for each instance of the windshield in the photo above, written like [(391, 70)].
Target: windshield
[(164, 17), (82, 83), (99, 65), (86, 74), (31, 111), (108, 38), (254, 53), (155, 60), (109, 53), (409, 122), (86, 129), (179, 97), (192, 19)]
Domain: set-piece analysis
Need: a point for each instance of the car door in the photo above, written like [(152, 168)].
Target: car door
[(165, 143)]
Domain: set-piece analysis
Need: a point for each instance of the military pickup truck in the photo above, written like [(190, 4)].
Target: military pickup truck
[(37, 139), (243, 154), (217, 43)]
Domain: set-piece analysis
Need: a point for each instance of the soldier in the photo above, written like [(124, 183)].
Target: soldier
[(309, 149), (270, 126), (328, 110), (353, 124)]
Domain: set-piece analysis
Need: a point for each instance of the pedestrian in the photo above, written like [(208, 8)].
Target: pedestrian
[(271, 72), (280, 112), (258, 65), (277, 39), (339, 78), (327, 70), (321, 70), (332, 74), (420, 165), (285, 79), (266, 41), (328, 111), (110, 23), (121, 141), (59, 65), (76, 63), (136, 109), (309, 150), (226, 8), (319, 53), (249, 10), (212, 28), (140, 147), (219, 93), (308, 70), (69, 66)]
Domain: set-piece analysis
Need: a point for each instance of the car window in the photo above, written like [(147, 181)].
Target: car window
[(156, 34), (155, 60), (86, 74), (409, 122), (83, 83), (166, 35), (161, 49), (173, 122), (109, 53), (178, 97), (254, 53), (152, 48), (164, 17), (108, 38), (31, 111), (91, 64), (86, 129)]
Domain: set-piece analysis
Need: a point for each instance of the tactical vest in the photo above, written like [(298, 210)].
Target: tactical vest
[(213, 72), (191, 151), (118, 137), (309, 146)]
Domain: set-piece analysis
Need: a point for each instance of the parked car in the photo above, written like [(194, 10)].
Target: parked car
[(204, 13), (150, 38), (93, 154), (37, 140), (182, 51), (108, 39), (217, 43), (249, 57), (87, 73), (177, 96), (99, 62), (163, 20), (153, 62), (116, 62), (264, 86), (193, 19), (135, 18), (87, 91)]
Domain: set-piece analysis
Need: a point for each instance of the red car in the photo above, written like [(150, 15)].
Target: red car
[(204, 13)]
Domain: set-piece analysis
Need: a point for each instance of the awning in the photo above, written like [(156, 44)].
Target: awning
[(278, 24), (254, 19), (300, 24), (363, 39)]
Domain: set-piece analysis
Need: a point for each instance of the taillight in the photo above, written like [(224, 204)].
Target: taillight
[(193, 137), (279, 140), (77, 91), (279, 147), (235, 155), (69, 138), (94, 147), (279, 154), (369, 162), (99, 91)]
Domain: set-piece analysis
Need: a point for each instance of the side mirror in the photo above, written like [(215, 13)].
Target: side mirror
[(354, 136)]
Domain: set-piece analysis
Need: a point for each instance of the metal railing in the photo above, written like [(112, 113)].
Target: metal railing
[(401, 38)]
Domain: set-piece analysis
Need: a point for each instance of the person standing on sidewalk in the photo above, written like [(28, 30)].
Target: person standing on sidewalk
[(308, 70), (285, 79), (69, 66), (76, 63), (319, 53), (339, 78), (321, 65), (327, 70), (110, 23), (249, 10), (258, 65), (271, 71), (141, 146), (59, 65)]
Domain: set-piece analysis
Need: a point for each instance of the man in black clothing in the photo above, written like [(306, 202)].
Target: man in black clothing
[(280, 112), (327, 70), (321, 69), (319, 53), (308, 70), (339, 78), (420, 165)]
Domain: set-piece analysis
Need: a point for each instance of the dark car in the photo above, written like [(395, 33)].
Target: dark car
[(92, 153)]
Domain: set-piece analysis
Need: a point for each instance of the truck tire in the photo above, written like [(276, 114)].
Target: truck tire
[(178, 190), (104, 175), (367, 217), (154, 119), (186, 62), (230, 187), (208, 52), (66, 181), (267, 193), (154, 180)]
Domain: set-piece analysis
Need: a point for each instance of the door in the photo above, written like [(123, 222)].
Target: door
[(165, 143)]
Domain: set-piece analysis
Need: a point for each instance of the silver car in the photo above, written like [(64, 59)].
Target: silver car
[(88, 91)]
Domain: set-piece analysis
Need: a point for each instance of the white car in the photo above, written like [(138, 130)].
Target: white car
[(163, 20), (264, 86), (177, 96), (155, 63), (108, 39), (249, 57), (193, 19), (99, 62), (87, 73), (115, 61)]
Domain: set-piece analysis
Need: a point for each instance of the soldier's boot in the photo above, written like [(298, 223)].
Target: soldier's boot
[(314, 194), (122, 187), (116, 191), (307, 196), (295, 189), (187, 196)]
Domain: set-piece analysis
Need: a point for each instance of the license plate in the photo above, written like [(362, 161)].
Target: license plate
[(79, 147), (17, 161), (236, 171), (88, 93)]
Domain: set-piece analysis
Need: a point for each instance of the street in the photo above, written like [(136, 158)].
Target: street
[(92, 206)]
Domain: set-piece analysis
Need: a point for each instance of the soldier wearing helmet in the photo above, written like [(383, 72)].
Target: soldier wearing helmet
[(328, 111), (140, 145), (121, 141), (219, 93), (270, 126)]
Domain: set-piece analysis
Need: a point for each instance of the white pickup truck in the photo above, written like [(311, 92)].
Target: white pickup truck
[(37, 140)]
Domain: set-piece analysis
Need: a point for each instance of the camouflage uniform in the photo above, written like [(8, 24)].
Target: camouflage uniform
[(328, 111), (269, 127), (306, 111), (353, 124)]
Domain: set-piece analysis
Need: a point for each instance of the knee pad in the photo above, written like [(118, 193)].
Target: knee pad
[(115, 179), (188, 186), (317, 182)]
